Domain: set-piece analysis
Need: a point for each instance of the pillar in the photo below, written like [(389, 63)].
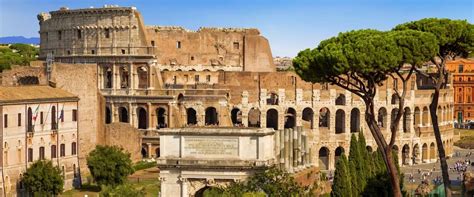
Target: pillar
[(299, 149), (149, 150), (184, 187), (150, 116), (282, 149), (287, 149), (277, 146)]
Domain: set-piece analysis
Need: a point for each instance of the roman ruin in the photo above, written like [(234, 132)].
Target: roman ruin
[(188, 92)]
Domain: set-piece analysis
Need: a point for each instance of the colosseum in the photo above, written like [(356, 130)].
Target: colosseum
[(167, 81)]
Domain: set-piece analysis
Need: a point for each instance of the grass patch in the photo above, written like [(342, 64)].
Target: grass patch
[(143, 165), (151, 187), (467, 139)]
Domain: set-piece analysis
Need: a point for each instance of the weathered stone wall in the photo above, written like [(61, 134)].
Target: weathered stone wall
[(81, 80), (125, 136), (17, 74)]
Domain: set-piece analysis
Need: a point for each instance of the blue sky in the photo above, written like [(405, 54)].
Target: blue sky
[(290, 26)]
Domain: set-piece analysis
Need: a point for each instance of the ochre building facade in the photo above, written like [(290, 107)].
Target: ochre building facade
[(462, 72)]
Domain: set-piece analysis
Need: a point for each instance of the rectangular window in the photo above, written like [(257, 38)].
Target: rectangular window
[(5, 120), (123, 51), (178, 44), (208, 78), (41, 153), (30, 155), (236, 45), (53, 151), (196, 78), (152, 43), (62, 115), (107, 33), (74, 115), (60, 35), (79, 34), (41, 117), (460, 68), (73, 148), (19, 119), (62, 151)]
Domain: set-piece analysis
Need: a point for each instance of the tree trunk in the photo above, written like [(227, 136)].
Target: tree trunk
[(393, 172), (439, 142)]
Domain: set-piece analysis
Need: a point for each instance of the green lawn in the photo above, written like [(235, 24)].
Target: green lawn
[(467, 138)]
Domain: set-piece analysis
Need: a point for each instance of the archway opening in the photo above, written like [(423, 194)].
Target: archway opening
[(236, 116), (272, 99), (123, 114), (157, 152), (341, 99), (417, 117), (145, 151), (108, 77), (272, 119), (290, 118), (406, 120), (395, 99), (124, 77), (406, 155), (425, 115), (355, 120), (203, 191), (324, 115), (307, 118), (393, 116), (432, 151), (142, 77), (338, 153), (162, 118), (415, 153), (424, 153), (382, 118), (340, 121), (191, 116), (324, 158), (211, 117), (142, 118), (254, 118)]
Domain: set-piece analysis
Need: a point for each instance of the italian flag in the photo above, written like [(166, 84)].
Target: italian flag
[(36, 113)]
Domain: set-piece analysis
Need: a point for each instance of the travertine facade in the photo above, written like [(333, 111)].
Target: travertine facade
[(167, 77), (38, 122)]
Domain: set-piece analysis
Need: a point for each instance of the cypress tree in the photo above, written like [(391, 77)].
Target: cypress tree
[(364, 153), (341, 186), (355, 162)]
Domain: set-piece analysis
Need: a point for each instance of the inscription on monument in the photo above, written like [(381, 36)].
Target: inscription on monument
[(211, 146)]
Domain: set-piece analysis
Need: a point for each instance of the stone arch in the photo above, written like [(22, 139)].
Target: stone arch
[(191, 116), (142, 73), (424, 153), (123, 114), (145, 152), (395, 99), (340, 121), (406, 120), (254, 118), (425, 116), (355, 120), (406, 154), (108, 115), (415, 153), (393, 115), (382, 117), (273, 99), (307, 117), (369, 149), (341, 99), (161, 117), (324, 117), (417, 117), (337, 153), (290, 118), (211, 116), (432, 151), (236, 116), (142, 118), (324, 158), (272, 119), (200, 192)]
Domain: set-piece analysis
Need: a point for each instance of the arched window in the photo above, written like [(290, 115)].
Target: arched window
[(211, 116), (395, 99), (123, 114), (272, 119), (307, 118), (142, 118), (324, 158), (236, 116), (108, 115), (142, 72), (273, 99), (425, 116), (108, 77), (191, 116), (382, 118), (341, 100), (162, 117), (254, 118), (355, 120), (340, 121), (406, 120), (417, 117), (290, 118), (324, 117)]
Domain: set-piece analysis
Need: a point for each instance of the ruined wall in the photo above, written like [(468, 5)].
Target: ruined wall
[(229, 49), (125, 136), (20, 74), (81, 80)]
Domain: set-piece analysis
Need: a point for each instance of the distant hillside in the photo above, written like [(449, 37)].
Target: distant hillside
[(19, 39)]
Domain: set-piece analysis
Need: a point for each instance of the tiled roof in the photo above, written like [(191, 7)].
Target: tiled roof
[(33, 93)]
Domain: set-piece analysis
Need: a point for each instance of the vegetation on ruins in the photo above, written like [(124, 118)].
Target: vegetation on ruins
[(122, 190), (43, 179), (17, 54), (364, 174), (454, 38), (109, 165), (272, 182)]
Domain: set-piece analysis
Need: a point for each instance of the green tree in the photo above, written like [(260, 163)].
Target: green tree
[(341, 186), (365, 155), (121, 190), (454, 38), (109, 165), (43, 179), (17, 54), (358, 176)]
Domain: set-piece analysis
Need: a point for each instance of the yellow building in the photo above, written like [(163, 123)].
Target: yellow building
[(462, 72)]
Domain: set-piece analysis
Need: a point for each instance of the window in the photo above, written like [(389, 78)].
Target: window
[(41, 153), (192, 58), (460, 78), (93, 52), (5, 121), (123, 51), (53, 118), (178, 44), (74, 115), (460, 68), (30, 155), (19, 119), (68, 52), (196, 78), (208, 78), (153, 43), (79, 34), (62, 115), (236, 45), (60, 35), (53, 151), (107, 33), (62, 151), (41, 117), (73, 148)]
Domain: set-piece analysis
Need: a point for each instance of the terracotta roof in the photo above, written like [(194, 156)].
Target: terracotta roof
[(33, 93)]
